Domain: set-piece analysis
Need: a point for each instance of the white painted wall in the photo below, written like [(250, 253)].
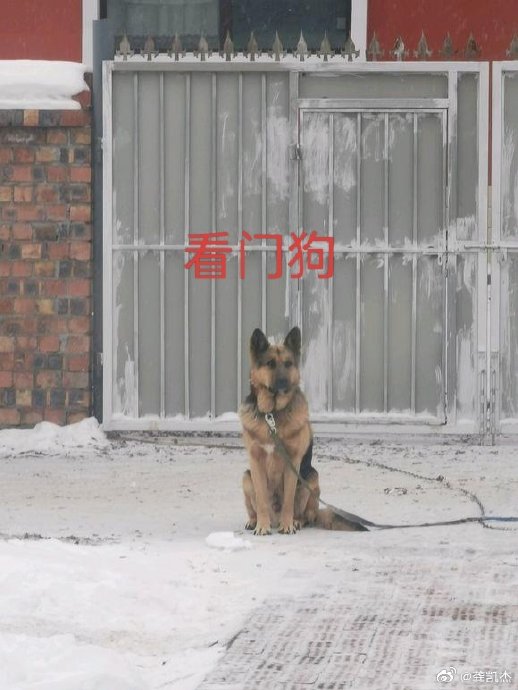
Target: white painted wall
[(359, 26)]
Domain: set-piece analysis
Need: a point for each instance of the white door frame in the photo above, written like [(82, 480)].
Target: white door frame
[(90, 14)]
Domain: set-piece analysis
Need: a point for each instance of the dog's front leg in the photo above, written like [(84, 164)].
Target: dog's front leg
[(260, 482), (287, 524)]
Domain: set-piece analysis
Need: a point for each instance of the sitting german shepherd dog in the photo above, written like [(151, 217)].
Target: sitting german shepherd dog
[(274, 497)]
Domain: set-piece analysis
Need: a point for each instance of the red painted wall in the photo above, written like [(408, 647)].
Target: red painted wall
[(492, 22), (41, 29), (51, 29)]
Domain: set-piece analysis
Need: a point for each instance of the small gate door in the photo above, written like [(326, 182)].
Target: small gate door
[(375, 180)]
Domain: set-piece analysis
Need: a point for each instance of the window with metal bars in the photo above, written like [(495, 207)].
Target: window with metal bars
[(215, 18)]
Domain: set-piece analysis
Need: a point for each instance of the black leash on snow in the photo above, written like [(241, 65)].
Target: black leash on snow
[(356, 522)]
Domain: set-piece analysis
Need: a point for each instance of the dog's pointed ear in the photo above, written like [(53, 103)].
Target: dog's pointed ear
[(293, 340), (258, 344)]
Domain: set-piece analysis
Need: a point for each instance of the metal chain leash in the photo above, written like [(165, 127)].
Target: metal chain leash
[(360, 523)]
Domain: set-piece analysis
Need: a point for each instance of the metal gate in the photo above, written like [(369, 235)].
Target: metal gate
[(376, 330), (503, 254), (388, 160)]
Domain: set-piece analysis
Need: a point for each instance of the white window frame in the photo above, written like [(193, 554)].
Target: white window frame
[(90, 14), (359, 26)]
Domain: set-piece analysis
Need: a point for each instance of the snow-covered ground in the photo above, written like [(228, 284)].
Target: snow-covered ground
[(124, 565)]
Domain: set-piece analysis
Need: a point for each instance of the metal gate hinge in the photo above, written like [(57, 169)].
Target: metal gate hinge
[(99, 147), (488, 403), (295, 151), (492, 405), (502, 255), (484, 405)]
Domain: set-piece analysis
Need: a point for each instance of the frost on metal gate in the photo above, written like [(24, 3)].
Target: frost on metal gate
[(388, 159), (503, 249)]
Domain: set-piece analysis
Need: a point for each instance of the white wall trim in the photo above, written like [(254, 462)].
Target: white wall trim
[(359, 26), (90, 13)]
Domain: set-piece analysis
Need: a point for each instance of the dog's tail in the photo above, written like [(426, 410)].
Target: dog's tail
[(328, 519)]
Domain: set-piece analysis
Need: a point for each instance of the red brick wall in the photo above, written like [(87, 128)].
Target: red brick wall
[(45, 266)]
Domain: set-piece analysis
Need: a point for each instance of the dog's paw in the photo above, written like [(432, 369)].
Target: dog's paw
[(289, 527), (251, 524), (262, 530)]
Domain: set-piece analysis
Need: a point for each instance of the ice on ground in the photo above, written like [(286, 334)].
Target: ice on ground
[(227, 541), (41, 84), (52, 439)]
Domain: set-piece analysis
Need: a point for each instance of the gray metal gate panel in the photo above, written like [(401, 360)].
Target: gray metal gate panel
[(503, 248), (169, 330), (377, 342), (204, 147), (467, 263)]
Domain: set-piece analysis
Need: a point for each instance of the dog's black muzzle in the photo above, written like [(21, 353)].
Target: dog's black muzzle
[(281, 386)]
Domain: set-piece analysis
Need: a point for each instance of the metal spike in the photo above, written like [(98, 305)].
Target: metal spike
[(447, 51), (228, 48), (472, 49), (176, 48), (277, 48), (349, 50), (149, 48), (512, 51), (252, 48), (399, 51), (203, 49), (422, 52), (125, 48), (325, 48), (302, 48), (374, 49)]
